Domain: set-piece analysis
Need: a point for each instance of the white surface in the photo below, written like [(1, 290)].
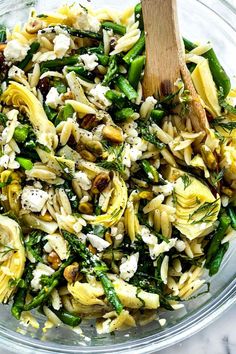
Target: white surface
[(218, 338)]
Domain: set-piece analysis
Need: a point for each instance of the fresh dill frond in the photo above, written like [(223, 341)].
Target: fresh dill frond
[(226, 126), (186, 181), (116, 163), (210, 209), (6, 250), (151, 138), (216, 177)]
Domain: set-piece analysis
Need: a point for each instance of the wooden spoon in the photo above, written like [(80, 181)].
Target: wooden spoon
[(165, 58)]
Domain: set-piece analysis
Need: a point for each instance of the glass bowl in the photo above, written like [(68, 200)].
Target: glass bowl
[(213, 21)]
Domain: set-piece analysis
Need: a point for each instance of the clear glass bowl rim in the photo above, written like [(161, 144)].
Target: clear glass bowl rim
[(150, 344)]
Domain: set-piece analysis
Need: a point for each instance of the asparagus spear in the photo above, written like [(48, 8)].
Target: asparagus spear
[(124, 85), (19, 298), (68, 318), (232, 216), (50, 282), (217, 238), (115, 27), (98, 267), (217, 260), (111, 72), (117, 98), (135, 71), (33, 49), (136, 50)]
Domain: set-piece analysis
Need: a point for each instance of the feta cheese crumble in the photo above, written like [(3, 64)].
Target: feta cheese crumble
[(90, 61), (98, 242), (53, 98), (83, 180), (15, 51), (129, 266), (41, 269), (61, 45), (33, 199), (98, 93)]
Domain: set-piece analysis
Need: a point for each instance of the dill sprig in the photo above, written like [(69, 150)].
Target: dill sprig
[(226, 126), (186, 181), (210, 209), (116, 163), (6, 250), (216, 177), (146, 135)]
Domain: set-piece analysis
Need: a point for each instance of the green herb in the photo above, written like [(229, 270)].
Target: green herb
[(7, 249), (186, 180), (42, 147), (226, 126), (4, 184), (3, 119), (66, 172), (216, 177), (210, 209), (146, 135), (66, 112), (116, 164), (50, 112), (34, 244)]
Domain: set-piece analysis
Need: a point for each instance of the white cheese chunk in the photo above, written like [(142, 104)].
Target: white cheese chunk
[(98, 93), (53, 98), (98, 242), (129, 266), (15, 51), (33, 199), (61, 45), (41, 269), (90, 61), (83, 180)]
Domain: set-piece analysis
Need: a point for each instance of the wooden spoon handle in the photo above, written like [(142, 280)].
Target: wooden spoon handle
[(163, 47)]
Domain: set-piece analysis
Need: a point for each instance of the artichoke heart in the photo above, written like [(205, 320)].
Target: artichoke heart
[(11, 190), (12, 256), (206, 88), (196, 207), (19, 96), (117, 204)]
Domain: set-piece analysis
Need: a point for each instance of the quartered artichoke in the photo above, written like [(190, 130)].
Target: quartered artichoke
[(196, 207), (20, 96), (117, 204), (12, 256), (206, 88)]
